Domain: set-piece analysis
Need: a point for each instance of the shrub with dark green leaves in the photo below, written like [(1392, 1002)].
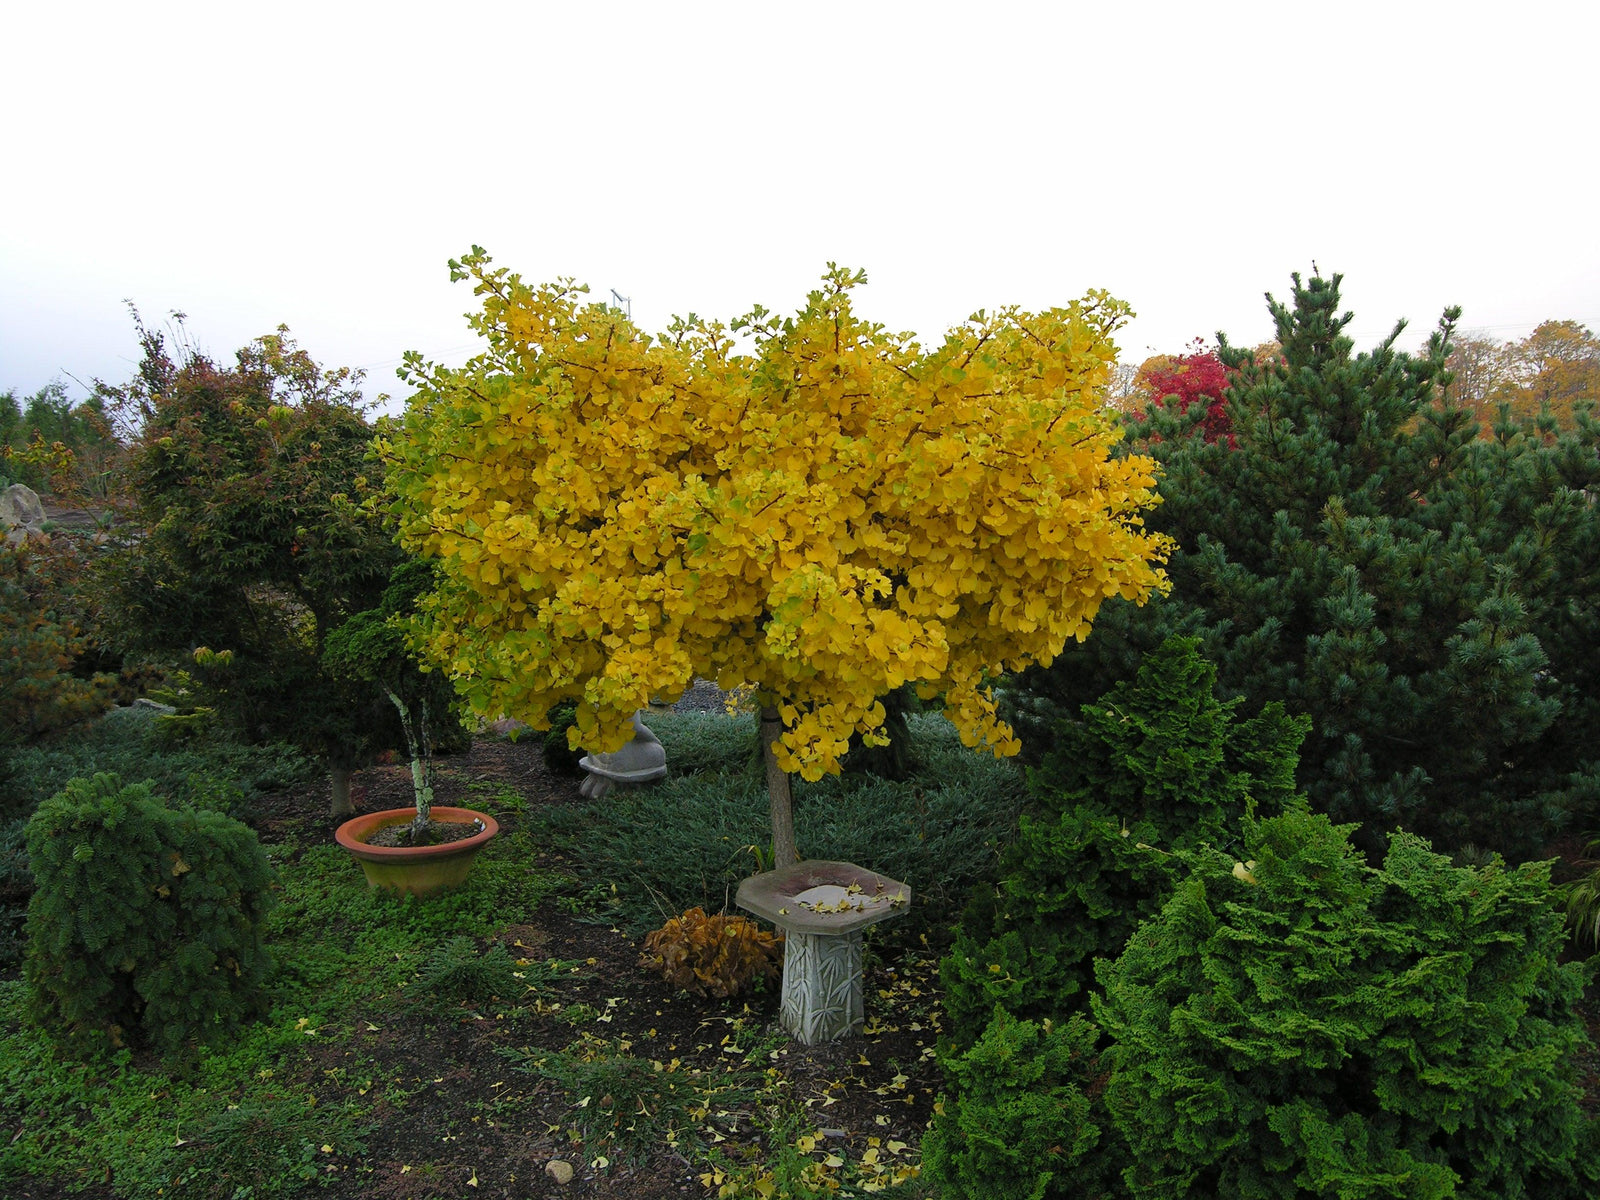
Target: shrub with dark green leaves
[(145, 927), (1026, 1122), (1157, 764), (16, 885), (558, 755), (1299, 1024)]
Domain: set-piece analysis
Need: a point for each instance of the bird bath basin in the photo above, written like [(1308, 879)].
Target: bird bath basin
[(822, 907)]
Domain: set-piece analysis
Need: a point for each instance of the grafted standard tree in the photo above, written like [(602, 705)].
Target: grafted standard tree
[(823, 519)]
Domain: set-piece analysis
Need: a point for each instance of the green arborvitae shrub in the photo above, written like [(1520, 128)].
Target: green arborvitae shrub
[(145, 927), (1299, 1024), (1073, 890), (1158, 763), (1027, 1122)]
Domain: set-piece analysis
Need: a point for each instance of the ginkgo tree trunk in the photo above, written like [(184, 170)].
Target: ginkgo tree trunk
[(820, 517)]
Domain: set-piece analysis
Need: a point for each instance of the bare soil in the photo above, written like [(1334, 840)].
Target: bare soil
[(881, 1085), (440, 833)]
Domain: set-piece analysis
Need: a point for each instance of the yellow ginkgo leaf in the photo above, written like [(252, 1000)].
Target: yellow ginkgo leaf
[(819, 518)]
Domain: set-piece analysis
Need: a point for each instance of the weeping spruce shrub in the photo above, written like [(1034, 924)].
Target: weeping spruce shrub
[(1157, 763), (145, 928), (1301, 1025)]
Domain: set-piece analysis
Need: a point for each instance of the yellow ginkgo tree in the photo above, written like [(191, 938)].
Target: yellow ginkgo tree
[(822, 517)]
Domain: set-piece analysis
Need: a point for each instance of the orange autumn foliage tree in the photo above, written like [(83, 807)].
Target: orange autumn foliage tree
[(823, 519)]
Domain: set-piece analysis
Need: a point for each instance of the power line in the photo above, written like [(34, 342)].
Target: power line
[(400, 358)]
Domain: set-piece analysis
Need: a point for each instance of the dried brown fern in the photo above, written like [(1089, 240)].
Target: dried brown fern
[(717, 956)]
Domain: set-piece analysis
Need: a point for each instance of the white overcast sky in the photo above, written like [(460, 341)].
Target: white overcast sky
[(317, 165)]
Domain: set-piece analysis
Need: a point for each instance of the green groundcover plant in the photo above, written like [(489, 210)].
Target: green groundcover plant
[(687, 840)]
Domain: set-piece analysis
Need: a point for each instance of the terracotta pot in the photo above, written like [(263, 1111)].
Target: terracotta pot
[(419, 870)]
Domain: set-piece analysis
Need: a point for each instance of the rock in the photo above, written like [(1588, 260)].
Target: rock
[(19, 505), (702, 697), (508, 727), (560, 1171), (21, 514)]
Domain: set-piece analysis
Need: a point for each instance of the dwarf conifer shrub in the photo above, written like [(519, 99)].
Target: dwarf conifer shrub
[(1157, 764), (146, 923), (1026, 1122), (1299, 1024)]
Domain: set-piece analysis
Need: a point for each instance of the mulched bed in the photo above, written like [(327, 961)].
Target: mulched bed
[(474, 1117), (473, 1125)]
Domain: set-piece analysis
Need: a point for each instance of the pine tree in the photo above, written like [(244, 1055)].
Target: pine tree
[(1356, 556), (1530, 492)]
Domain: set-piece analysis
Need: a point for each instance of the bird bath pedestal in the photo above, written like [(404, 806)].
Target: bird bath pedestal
[(822, 907)]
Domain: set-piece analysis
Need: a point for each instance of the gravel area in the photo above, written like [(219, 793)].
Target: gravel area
[(704, 697)]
